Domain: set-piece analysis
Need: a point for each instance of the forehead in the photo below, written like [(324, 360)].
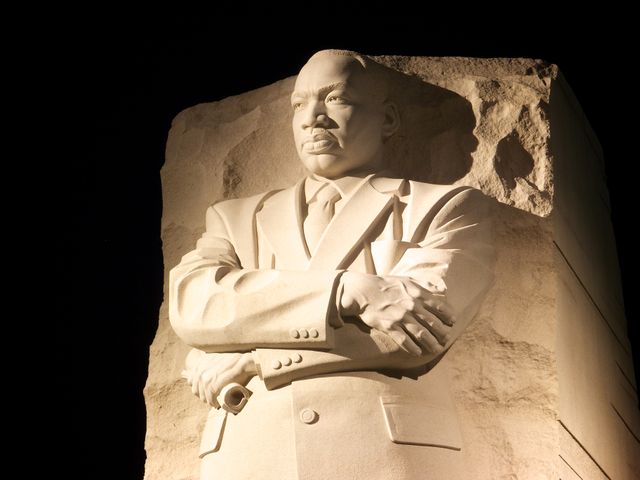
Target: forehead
[(330, 69)]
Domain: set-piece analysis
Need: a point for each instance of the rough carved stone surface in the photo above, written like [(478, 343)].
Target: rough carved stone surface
[(511, 128)]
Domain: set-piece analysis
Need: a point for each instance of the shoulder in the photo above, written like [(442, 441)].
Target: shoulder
[(237, 209), (419, 190), (448, 195), (438, 205)]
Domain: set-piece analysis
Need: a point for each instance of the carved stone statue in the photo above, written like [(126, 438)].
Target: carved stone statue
[(318, 313)]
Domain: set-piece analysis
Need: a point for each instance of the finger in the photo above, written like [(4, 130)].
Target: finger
[(211, 397), (211, 393), (439, 308), (420, 333), (434, 325), (434, 302), (194, 386), (416, 333), (202, 394), (404, 341), (428, 342), (208, 394), (412, 288), (186, 374), (417, 290)]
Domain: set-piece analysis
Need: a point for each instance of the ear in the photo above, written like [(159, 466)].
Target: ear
[(391, 120)]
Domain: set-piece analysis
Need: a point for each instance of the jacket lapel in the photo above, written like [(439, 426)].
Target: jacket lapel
[(281, 222), (350, 226)]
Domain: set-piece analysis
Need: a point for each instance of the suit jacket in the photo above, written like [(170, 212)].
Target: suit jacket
[(332, 402)]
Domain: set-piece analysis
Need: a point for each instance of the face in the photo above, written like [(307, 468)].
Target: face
[(339, 121)]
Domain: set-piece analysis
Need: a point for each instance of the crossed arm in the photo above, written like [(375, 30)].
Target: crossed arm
[(284, 325)]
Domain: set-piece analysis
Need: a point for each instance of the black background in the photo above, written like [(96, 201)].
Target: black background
[(130, 77)]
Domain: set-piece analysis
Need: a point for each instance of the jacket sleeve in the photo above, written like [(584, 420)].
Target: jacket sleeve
[(454, 257), (215, 305)]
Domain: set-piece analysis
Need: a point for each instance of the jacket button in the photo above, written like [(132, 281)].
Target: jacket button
[(304, 333), (276, 365), (297, 358), (286, 361), (314, 333), (308, 416), (294, 333)]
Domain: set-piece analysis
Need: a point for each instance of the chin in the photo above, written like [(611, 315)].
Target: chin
[(326, 165)]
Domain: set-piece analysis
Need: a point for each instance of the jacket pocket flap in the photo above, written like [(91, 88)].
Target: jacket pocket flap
[(414, 422)]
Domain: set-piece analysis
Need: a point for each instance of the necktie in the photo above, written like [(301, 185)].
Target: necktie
[(320, 214)]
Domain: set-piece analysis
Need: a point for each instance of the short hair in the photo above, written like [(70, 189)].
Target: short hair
[(378, 72), (362, 59)]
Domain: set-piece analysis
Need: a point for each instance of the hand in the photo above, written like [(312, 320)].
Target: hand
[(399, 307), (209, 373)]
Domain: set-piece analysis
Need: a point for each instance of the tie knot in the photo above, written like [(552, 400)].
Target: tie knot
[(328, 194)]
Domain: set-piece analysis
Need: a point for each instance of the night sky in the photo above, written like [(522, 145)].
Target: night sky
[(131, 77)]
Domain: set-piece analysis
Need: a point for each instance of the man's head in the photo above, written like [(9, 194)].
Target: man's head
[(341, 114)]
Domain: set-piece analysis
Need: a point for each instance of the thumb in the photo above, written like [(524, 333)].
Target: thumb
[(186, 374)]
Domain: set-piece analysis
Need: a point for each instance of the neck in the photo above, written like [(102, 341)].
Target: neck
[(373, 167)]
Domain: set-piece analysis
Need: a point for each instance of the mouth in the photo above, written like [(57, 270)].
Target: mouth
[(319, 142), (319, 146)]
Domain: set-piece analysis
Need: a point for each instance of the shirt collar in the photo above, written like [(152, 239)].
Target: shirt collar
[(345, 185)]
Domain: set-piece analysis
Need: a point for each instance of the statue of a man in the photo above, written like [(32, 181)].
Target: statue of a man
[(333, 301)]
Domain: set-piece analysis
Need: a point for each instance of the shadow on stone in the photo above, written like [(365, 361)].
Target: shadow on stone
[(512, 161), (435, 140)]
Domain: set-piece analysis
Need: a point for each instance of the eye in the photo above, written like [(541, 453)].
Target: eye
[(297, 106), (336, 99)]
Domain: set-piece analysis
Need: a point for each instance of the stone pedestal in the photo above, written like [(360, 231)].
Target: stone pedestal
[(543, 378)]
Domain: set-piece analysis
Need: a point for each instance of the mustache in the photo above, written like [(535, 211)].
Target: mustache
[(318, 134)]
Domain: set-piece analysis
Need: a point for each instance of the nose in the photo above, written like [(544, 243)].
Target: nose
[(315, 116)]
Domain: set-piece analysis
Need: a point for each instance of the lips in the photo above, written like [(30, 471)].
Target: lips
[(317, 146), (319, 142)]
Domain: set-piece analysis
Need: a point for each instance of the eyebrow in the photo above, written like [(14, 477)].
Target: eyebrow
[(321, 91)]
